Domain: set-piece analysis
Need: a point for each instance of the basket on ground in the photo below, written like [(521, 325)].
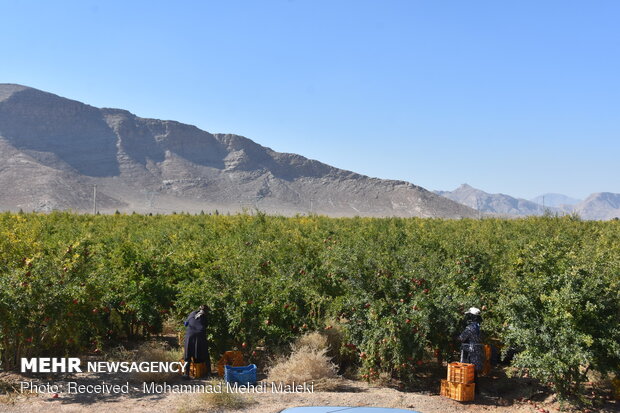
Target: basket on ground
[(461, 373), (462, 392), (244, 375)]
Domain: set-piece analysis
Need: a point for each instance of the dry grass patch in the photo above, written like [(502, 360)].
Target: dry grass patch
[(158, 352), (215, 402), (314, 340), (9, 392), (333, 384), (119, 353), (308, 362), (8, 398), (7, 387)]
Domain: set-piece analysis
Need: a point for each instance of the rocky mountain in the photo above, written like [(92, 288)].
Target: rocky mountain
[(599, 206), (555, 200), (497, 204), (54, 151)]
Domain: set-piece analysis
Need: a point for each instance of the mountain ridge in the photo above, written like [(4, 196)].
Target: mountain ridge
[(56, 149)]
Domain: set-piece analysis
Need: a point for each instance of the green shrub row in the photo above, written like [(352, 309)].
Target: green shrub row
[(397, 287)]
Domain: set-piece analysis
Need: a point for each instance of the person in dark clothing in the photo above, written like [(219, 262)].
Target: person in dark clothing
[(196, 345), (472, 350)]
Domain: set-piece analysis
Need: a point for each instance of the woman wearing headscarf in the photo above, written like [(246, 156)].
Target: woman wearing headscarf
[(196, 346), (472, 350)]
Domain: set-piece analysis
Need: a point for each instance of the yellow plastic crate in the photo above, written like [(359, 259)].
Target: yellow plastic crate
[(196, 370), (461, 373), (458, 391)]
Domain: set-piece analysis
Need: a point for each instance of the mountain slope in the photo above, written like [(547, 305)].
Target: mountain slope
[(500, 204), (54, 150), (599, 206)]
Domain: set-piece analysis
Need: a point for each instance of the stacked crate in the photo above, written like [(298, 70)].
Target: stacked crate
[(196, 370), (460, 383)]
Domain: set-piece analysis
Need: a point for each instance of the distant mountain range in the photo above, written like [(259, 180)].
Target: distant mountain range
[(54, 151), (555, 200), (598, 206), (499, 204)]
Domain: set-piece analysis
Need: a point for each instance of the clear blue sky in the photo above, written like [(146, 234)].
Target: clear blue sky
[(519, 97)]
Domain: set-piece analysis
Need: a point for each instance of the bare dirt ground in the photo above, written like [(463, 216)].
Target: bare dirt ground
[(498, 394)]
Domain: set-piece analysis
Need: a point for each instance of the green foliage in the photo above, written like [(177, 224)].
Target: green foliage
[(396, 287), (562, 311)]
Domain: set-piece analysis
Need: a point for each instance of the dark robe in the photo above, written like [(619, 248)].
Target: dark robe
[(196, 346), (472, 350)]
